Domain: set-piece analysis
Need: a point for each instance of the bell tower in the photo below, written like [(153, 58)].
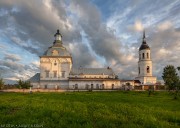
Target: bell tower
[(145, 64)]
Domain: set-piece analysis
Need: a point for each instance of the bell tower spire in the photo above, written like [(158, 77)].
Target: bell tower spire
[(144, 37)]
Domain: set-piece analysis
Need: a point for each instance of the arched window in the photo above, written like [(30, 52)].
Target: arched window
[(102, 87), (86, 86), (76, 86), (143, 55), (97, 86), (147, 55), (55, 74), (148, 69), (112, 86), (91, 86), (139, 70)]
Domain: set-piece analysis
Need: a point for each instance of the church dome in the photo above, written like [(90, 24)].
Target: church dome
[(144, 45), (57, 49)]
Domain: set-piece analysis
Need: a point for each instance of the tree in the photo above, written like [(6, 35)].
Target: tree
[(171, 79), (23, 84), (1, 84)]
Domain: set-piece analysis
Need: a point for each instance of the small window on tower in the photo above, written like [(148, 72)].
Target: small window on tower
[(147, 55), (139, 70), (148, 69), (143, 55), (55, 63), (139, 56)]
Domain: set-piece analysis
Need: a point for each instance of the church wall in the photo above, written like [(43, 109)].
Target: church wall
[(55, 66), (146, 80), (94, 84), (91, 76), (151, 80), (35, 84), (111, 84), (84, 84), (54, 84), (125, 86), (143, 68)]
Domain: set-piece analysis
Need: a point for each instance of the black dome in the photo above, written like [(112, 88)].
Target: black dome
[(144, 45)]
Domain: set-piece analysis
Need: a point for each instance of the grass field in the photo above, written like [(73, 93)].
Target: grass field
[(89, 109)]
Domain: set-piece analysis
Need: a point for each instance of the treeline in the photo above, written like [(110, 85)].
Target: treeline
[(20, 84)]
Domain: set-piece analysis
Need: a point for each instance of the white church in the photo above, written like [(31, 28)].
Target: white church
[(57, 71)]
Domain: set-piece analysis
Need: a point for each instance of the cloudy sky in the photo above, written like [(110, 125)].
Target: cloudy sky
[(98, 33)]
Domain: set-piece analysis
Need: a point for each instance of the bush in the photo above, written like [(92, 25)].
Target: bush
[(1, 84)]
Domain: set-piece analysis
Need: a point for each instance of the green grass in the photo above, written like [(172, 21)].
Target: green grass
[(89, 109)]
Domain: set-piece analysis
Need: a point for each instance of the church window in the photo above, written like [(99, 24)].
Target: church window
[(97, 86), (147, 55), (148, 69), (55, 63), (91, 86), (139, 56), (102, 86), (76, 86), (47, 74), (139, 70), (112, 86), (55, 74), (63, 74), (143, 55)]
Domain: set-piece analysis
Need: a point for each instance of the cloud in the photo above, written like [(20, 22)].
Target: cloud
[(101, 41), (12, 57), (94, 38), (165, 25), (2, 46), (14, 69), (81, 55), (137, 27)]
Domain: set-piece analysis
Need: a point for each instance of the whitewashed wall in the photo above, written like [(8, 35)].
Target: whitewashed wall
[(95, 84)]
